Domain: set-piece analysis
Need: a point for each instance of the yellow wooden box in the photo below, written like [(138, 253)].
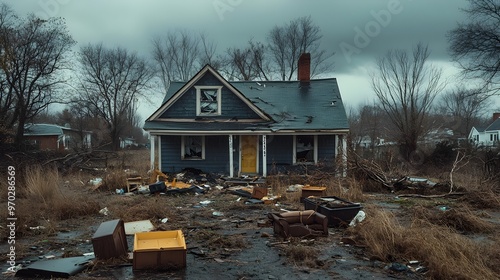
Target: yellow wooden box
[(159, 250)]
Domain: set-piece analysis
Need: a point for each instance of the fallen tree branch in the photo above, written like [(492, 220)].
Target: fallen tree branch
[(433, 196)]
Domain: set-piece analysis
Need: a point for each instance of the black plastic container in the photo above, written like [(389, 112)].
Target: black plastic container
[(157, 187), (339, 212)]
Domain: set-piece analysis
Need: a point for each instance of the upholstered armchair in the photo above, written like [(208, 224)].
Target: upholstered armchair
[(299, 223)]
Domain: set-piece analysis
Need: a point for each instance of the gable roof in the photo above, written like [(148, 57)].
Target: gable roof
[(290, 106), (495, 125), (46, 130), (179, 91)]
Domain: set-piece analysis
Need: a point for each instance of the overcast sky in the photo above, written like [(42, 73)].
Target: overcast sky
[(357, 31)]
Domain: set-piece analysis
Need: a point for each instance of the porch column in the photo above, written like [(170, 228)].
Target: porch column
[(231, 163), (336, 156), (159, 152), (336, 146), (344, 155), (152, 140), (264, 155)]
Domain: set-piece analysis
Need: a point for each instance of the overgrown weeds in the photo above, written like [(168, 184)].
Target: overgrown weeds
[(42, 202), (447, 254), (461, 219)]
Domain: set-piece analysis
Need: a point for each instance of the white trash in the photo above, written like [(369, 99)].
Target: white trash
[(358, 218)]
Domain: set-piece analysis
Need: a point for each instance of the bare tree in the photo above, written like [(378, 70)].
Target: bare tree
[(33, 58), (466, 106), (287, 42), (180, 54), (112, 80), (406, 87), (475, 45)]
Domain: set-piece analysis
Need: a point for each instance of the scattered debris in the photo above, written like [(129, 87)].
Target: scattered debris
[(56, 268), (37, 228), (294, 188), (358, 218), (104, 211), (340, 212), (217, 214), (138, 226), (96, 183)]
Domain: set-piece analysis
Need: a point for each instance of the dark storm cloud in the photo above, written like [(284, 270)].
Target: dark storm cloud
[(385, 24), (356, 30)]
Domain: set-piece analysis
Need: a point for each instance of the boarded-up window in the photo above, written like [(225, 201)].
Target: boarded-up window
[(208, 100)]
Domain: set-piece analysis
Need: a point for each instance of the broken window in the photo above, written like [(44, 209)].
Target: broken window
[(304, 149), (208, 102), (193, 147)]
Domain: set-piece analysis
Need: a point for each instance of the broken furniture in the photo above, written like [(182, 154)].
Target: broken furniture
[(308, 191), (133, 183), (340, 212), (159, 250), (299, 223), (57, 268), (109, 240)]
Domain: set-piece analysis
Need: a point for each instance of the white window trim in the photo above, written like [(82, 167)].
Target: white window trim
[(202, 148), (315, 151), (198, 96)]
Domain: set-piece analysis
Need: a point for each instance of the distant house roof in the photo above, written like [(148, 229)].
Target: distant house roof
[(46, 130), (494, 126), (289, 105)]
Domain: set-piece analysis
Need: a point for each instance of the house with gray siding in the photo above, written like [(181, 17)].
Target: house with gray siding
[(248, 127)]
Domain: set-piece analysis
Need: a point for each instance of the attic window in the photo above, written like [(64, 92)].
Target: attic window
[(208, 100)]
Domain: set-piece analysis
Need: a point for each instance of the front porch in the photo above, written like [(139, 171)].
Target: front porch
[(246, 154)]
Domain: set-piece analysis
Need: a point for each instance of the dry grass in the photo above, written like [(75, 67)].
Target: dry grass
[(216, 241), (447, 254), (301, 255), (461, 219), (42, 185), (43, 202), (138, 208)]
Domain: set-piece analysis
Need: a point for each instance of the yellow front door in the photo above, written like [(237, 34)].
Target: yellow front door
[(249, 154)]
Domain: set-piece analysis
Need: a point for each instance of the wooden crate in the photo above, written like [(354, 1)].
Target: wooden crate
[(159, 250)]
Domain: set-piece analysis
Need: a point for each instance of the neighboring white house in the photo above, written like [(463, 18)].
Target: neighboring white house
[(127, 142), (486, 136)]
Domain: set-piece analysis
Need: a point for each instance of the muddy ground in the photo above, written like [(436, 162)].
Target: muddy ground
[(232, 244), (226, 237)]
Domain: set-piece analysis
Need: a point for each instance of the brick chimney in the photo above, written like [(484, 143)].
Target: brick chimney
[(304, 68), (495, 116)]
